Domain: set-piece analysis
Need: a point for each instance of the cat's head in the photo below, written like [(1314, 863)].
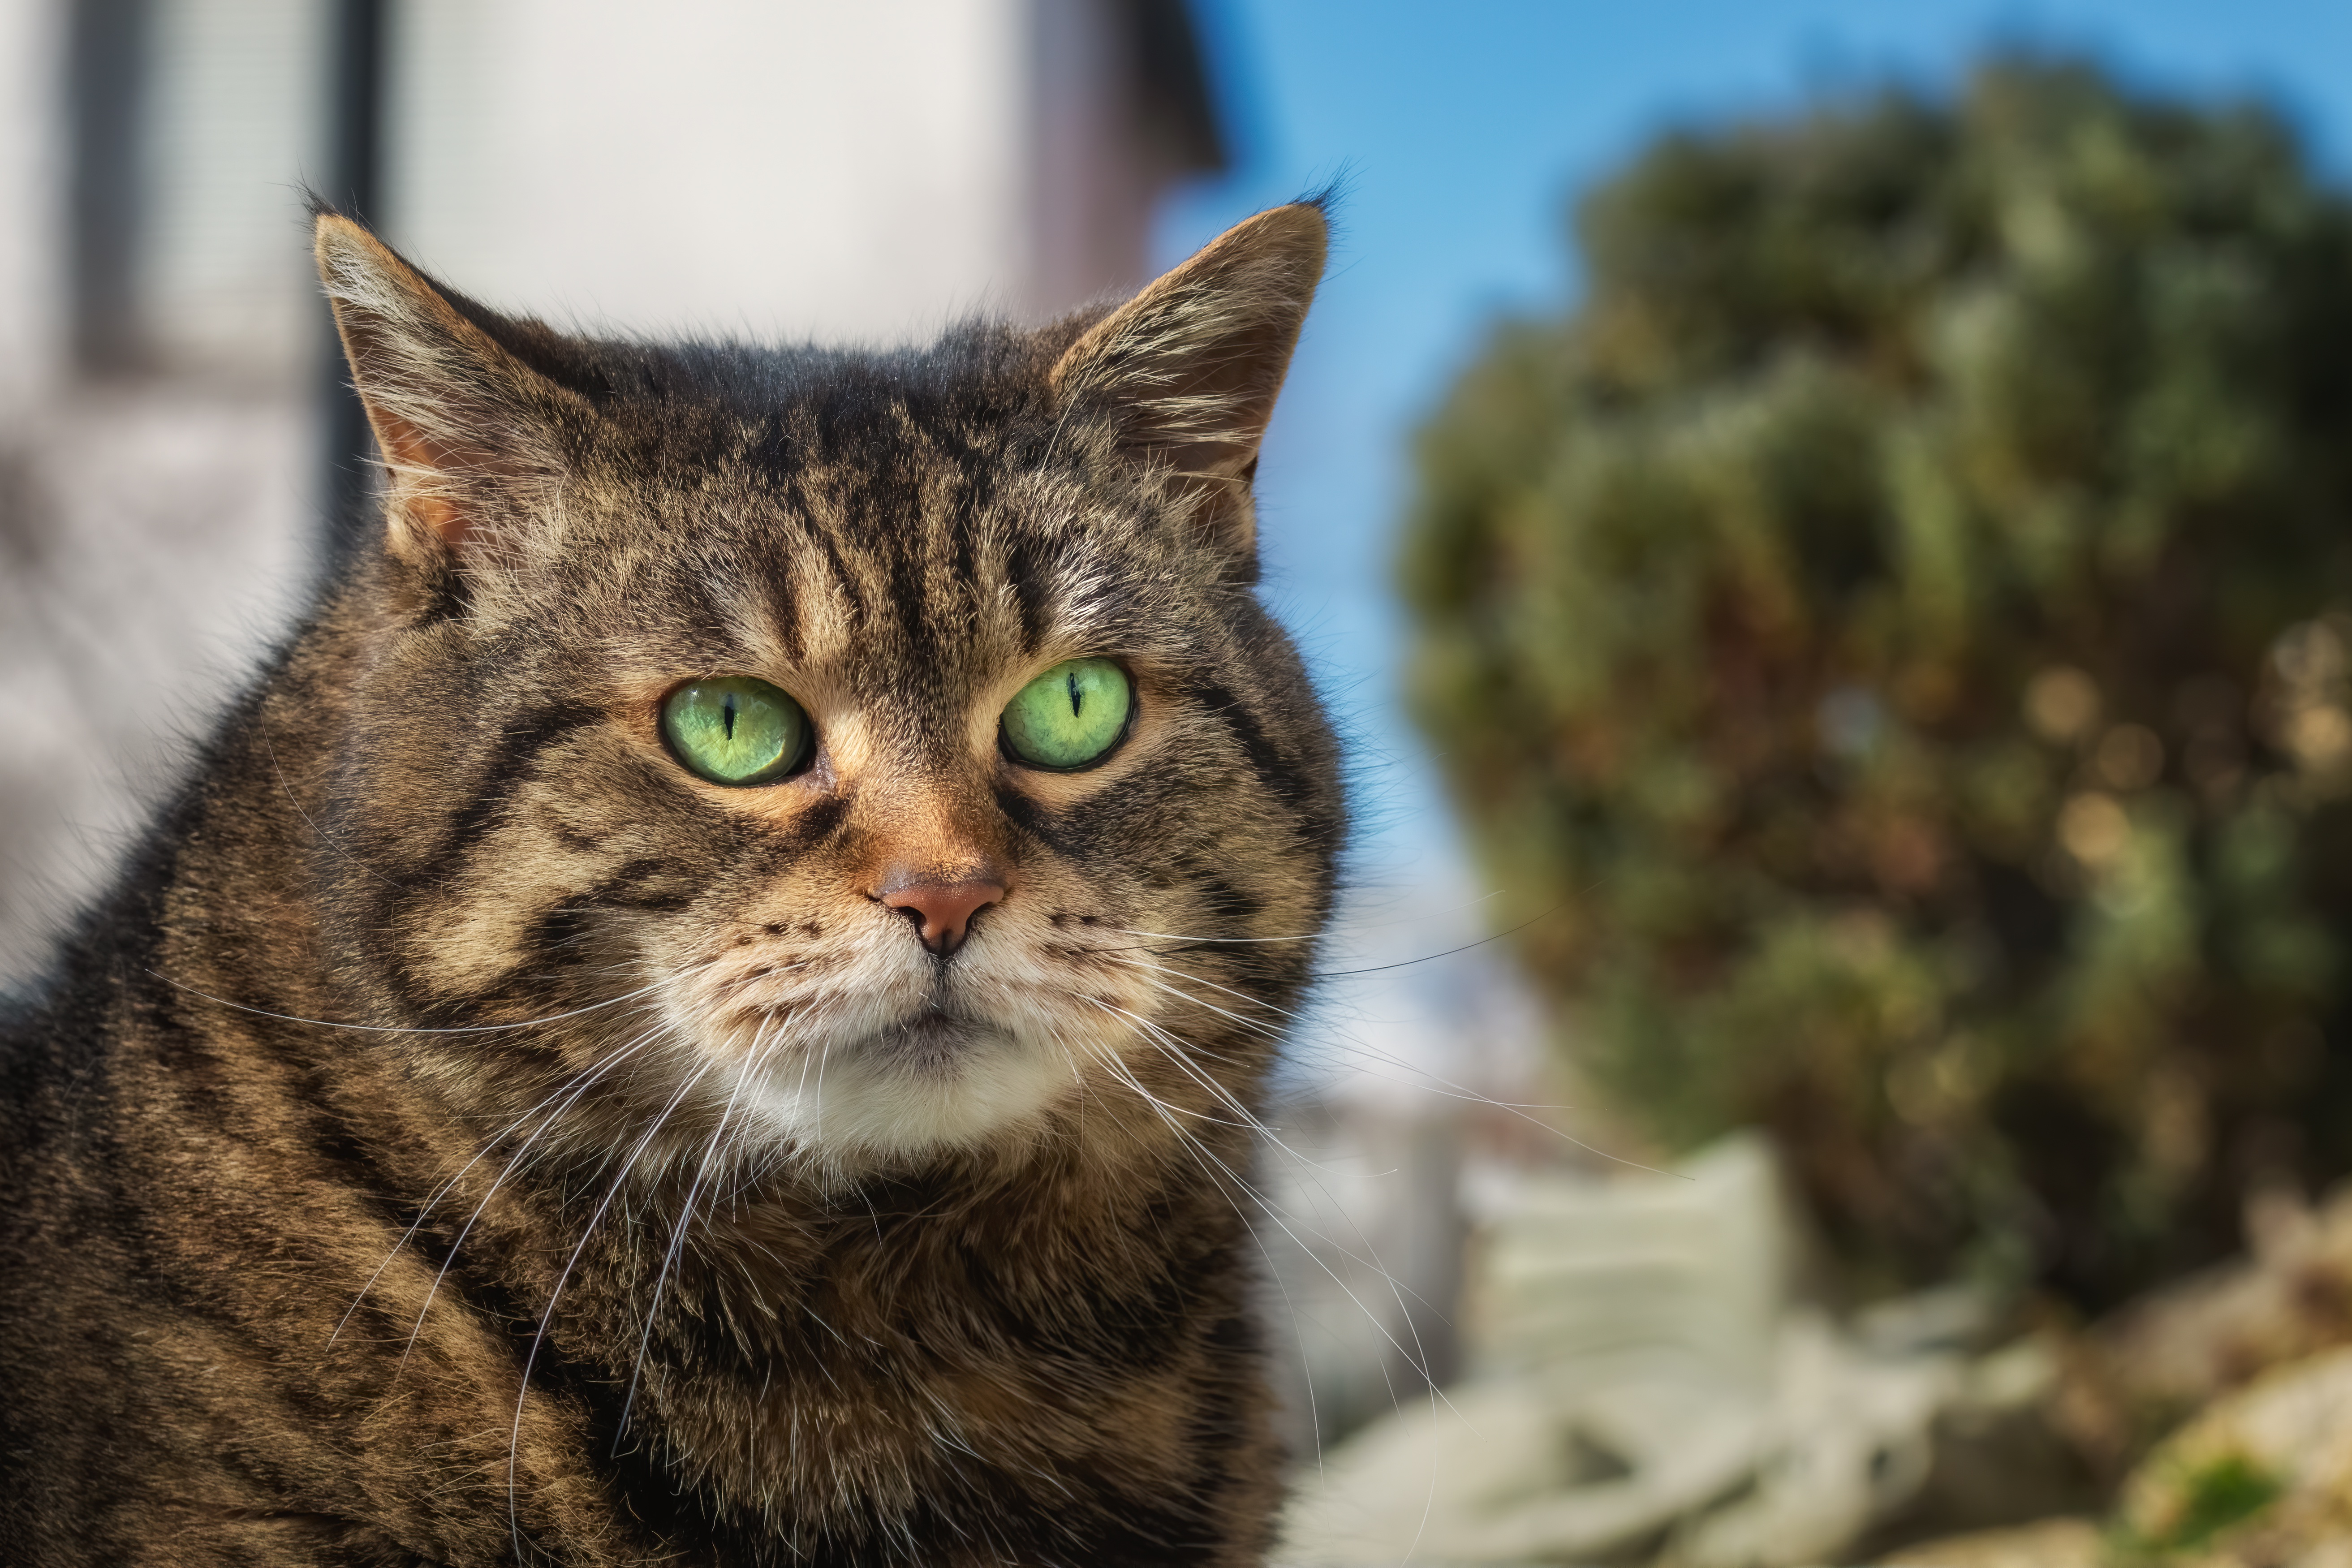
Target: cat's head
[(886, 753)]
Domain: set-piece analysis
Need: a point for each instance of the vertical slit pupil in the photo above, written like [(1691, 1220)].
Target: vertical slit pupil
[(728, 708), (1078, 698)]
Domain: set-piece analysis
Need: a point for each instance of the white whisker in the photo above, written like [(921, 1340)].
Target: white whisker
[(586, 1081), (1423, 1078), (1208, 1158), (416, 1029), (547, 1318), (752, 1060)]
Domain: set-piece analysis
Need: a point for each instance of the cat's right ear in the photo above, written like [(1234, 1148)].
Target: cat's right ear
[(466, 430)]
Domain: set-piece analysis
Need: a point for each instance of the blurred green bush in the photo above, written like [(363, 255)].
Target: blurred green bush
[(1900, 625)]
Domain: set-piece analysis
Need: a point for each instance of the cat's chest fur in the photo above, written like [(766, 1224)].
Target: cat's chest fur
[(906, 1371), (1061, 1364), (710, 1006)]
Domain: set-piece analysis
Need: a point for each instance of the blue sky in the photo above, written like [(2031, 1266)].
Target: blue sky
[(1463, 130)]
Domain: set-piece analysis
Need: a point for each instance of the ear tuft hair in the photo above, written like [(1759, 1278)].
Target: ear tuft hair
[(1189, 369), (467, 431)]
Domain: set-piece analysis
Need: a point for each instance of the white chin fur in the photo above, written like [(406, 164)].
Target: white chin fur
[(886, 1099)]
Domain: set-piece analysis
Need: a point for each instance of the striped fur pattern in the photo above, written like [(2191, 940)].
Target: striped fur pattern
[(467, 1137)]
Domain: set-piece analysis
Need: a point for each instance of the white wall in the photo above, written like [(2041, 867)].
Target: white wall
[(232, 129), (32, 199), (830, 170)]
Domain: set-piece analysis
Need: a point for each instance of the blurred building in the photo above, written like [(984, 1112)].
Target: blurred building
[(172, 435)]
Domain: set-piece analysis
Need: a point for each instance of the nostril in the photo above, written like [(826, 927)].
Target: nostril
[(942, 913)]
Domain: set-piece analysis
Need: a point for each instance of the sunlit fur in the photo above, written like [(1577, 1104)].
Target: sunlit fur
[(468, 1135)]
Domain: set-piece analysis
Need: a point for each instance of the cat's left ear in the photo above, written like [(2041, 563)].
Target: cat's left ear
[(469, 434), (1187, 370)]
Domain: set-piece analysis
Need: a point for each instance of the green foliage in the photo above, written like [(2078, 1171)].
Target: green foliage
[(2230, 1490), (1897, 619), (2218, 1496)]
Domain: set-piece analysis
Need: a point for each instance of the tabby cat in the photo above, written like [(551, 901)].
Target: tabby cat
[(706, 1008)]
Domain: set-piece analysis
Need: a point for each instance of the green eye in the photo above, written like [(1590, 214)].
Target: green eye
[(736, 730), (1070, 716)]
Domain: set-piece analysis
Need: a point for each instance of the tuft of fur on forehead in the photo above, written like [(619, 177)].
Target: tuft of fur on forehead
[(1182, 379)]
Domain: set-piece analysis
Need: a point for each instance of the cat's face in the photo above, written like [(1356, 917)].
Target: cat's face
[(887, 755)]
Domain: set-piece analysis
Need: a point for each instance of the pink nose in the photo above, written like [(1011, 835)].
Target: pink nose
[(941, 911)]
